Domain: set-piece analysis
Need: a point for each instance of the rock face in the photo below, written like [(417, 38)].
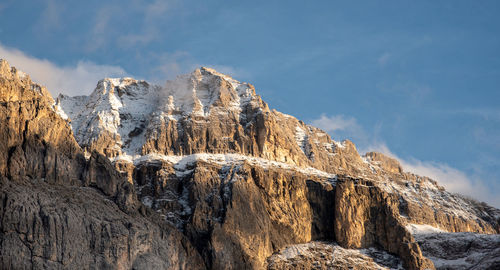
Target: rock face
[(201, 112), (201, 174), (367, 216), (61, 211), (35, 142), (237, 215), (65, 227)]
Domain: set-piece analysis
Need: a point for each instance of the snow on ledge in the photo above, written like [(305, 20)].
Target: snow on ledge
[(181, 162), (311, 250), (417, 229)]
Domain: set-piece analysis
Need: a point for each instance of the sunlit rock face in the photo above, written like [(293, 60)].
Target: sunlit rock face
[(199, 173), (61, 210)]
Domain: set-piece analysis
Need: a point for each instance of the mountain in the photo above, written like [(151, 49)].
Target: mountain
[(201, 174)]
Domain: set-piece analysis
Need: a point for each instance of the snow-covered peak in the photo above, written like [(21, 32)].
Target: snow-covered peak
[(245, 90), (125, 108), (121, 86), (198, 92), (118, 107)]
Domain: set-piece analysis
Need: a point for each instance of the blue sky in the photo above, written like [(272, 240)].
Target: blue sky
[(419, 80)]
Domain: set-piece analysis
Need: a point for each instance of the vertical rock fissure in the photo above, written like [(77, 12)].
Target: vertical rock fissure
[(225, 192), (10, 155), (321, 198)]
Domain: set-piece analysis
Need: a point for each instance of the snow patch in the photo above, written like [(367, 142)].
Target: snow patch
[(147, 201), (57, 108), (333, 255), (21, 75), (300, 138), (182, 162), (423, 229), (340, 145), (196, 93)]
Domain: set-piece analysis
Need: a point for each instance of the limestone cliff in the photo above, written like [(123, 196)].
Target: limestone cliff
[(200, 173), (60, 210)]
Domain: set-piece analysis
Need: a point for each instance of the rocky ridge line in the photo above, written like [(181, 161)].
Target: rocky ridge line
[(228, 213), (207, 112), (212, 114)]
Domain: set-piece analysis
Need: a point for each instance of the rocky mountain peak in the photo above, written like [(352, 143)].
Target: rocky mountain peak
[(122, 114), (122, 86), (8, 72), (4, 68), (200, 174), (16, 77), (12, 73), (204, 89)]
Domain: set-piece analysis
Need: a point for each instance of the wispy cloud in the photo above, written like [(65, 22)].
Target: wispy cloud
[(100, 32), (168, 65), (454, 180), (489, 114), (158, 7), (50, 17), (415, 92), (383, 59), (335, 123), (165, 66), (141, 38), (147, 17), (79, 79), (342, 127)]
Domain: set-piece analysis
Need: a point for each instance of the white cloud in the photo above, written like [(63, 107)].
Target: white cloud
[(80, 79), (335, 123), (342, 127), (451, 178)]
